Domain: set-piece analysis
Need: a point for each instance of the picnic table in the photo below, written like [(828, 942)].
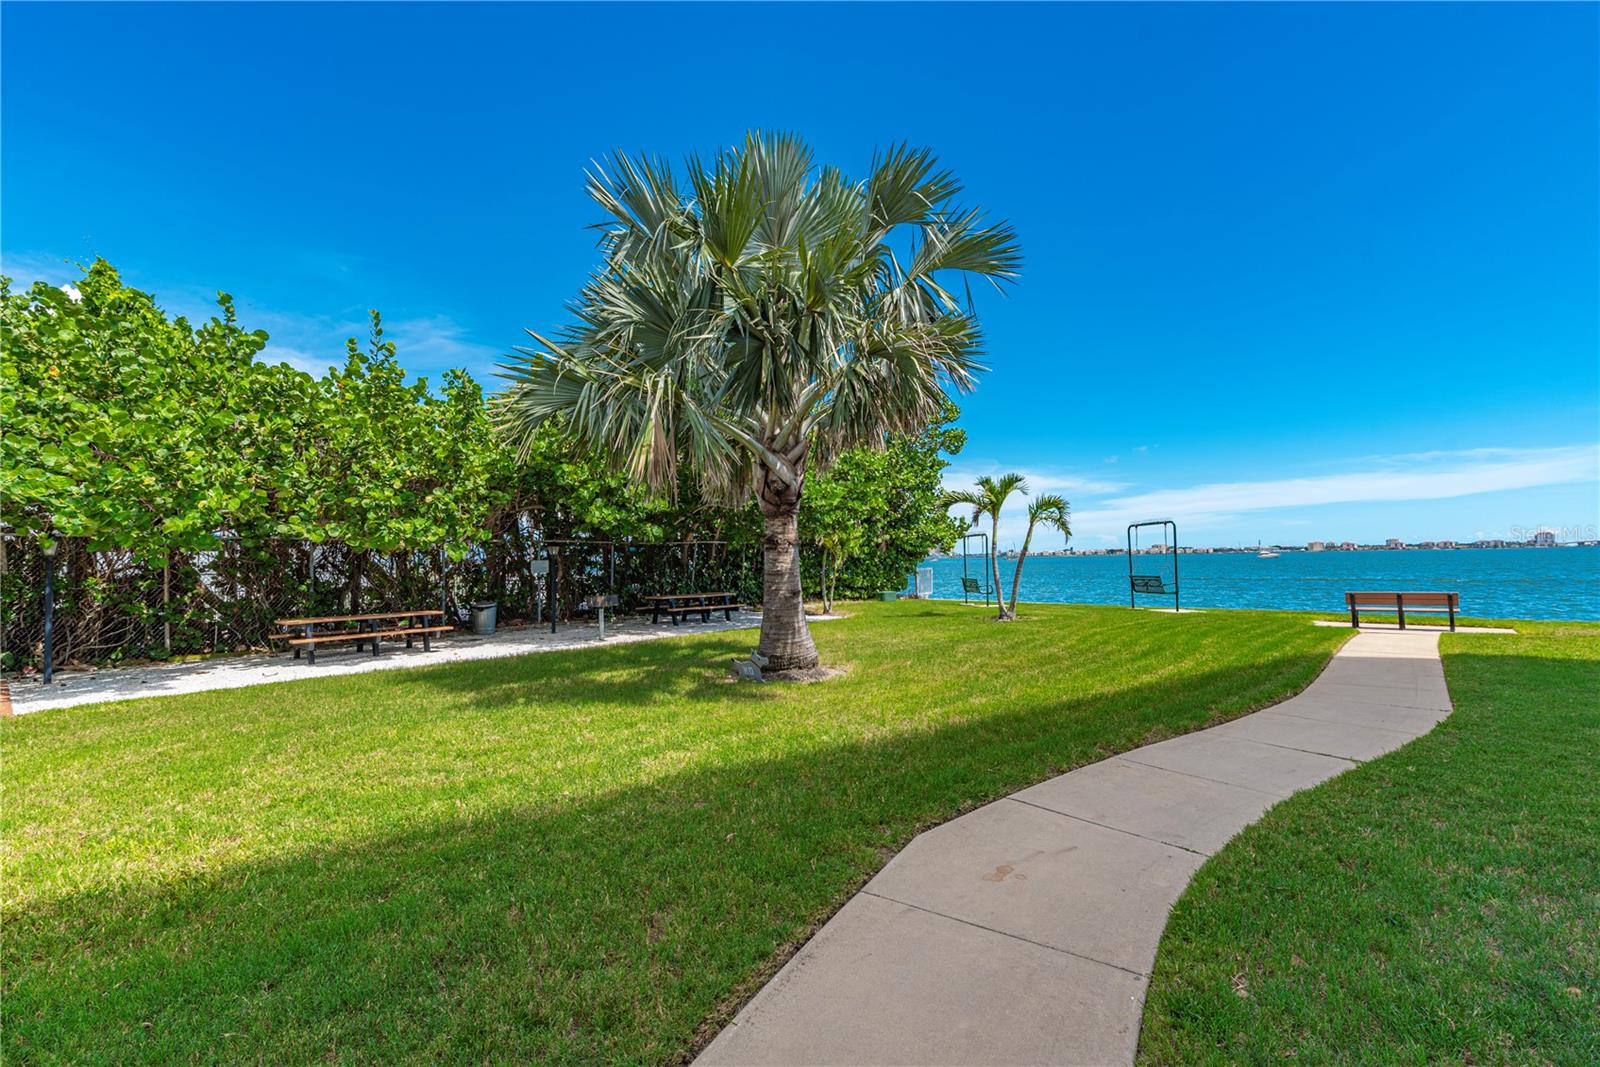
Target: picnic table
[(679, 606), (371, 628)]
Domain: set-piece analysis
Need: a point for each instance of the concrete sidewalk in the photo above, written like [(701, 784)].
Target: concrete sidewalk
[(1024, 932)]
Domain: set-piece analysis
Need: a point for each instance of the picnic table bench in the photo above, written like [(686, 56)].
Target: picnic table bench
[(1399, 602), (678, 606), (372, 628)]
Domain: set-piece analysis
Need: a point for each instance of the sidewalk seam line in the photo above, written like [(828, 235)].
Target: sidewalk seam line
[(1108, 826), (1308, 751), (1004, 933), (1342, 722), (1155, 766)]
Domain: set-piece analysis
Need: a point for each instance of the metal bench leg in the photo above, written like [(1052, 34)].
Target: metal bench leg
[(311, 649), (1355, 617), (1400, 607), (427, 645), (1452, 608)]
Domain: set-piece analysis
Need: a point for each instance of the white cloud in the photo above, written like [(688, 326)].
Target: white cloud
[(1103, 509), (25, 268), (1423, 476), (439, 341), (424, 346), (313, 365), (1013, 521), (312, 342), (1039, 481)]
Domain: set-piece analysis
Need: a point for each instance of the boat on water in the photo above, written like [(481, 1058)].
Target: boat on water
[(1265, 553)]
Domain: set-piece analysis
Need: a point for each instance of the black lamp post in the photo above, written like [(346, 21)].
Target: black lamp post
[(51, 546)]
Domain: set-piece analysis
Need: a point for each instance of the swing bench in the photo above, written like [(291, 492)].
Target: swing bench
[(1149, 583), (1153, 584)]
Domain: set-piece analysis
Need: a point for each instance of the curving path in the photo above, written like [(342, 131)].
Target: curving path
[(1024, 931)]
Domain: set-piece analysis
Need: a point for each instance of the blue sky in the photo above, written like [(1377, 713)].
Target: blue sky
[(1293, 272)]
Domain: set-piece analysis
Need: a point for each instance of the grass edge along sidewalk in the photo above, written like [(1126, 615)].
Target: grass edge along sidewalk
[(1441, 903), (587, 856)]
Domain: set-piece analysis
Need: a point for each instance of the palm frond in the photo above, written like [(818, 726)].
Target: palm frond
[(758, 317)]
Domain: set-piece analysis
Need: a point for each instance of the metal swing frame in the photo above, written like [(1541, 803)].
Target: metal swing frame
[(1151, 584), (986, 569)]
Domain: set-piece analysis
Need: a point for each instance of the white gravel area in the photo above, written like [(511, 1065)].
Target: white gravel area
[(70, 688)]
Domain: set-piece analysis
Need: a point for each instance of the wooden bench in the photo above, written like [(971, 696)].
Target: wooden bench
[(679, 606), (304, 634), (1400, 603)]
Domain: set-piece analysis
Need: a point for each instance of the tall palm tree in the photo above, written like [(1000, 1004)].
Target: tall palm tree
[(1050, 510), (988, 500), (755, 319)]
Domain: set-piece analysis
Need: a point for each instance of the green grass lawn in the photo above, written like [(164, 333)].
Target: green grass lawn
[(582, 856), (1440, 904)]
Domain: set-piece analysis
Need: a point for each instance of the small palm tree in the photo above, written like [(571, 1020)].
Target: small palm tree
[(987, 500), (751, 323), (1047, 510)]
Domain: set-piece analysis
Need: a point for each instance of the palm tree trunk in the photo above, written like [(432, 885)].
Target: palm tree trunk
[(785, 638), (994, 566), (1016, 579)]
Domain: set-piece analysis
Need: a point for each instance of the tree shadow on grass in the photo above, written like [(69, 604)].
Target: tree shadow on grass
[(597, 928), (603, 674)]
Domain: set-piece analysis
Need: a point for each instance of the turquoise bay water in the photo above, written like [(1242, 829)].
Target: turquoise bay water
[(1496, 583)]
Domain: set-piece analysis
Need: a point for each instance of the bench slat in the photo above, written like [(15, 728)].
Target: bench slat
[(1400, 601), (360, 635), (312, 620)]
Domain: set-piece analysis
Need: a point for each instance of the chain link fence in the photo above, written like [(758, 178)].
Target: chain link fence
[(111, 606)]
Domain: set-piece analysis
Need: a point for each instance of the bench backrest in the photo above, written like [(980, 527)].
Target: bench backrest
[(1147, 583), (1390, 598), (970, 585)]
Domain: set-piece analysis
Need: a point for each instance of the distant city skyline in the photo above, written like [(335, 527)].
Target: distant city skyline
[(1291, 271), (1537, 540)]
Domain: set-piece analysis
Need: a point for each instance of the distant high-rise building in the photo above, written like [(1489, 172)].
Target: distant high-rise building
[(1544, 539), (1315, 546), (1394, 542)]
